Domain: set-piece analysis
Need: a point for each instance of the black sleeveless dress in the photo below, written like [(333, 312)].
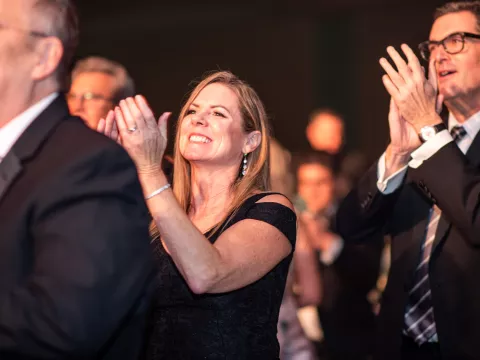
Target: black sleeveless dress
[(241, 324)]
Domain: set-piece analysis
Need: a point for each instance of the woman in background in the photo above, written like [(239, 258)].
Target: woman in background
[(303, 283)]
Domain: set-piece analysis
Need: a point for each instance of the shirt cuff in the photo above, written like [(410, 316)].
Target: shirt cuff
[(327, 257), (393, 182), (429, 148)]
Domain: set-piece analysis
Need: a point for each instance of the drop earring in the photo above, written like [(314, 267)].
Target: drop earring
[(244, 167)]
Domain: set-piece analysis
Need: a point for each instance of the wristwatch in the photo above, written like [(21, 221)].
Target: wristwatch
[(429, 131)]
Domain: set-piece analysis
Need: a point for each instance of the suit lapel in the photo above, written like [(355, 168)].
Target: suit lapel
[(473, 156), (421, 213), (443, 226), (409, 231), (10, 168), (473, 153), (30, 141), (420, 210)]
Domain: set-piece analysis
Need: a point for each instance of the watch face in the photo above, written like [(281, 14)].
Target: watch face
[(427, 132)]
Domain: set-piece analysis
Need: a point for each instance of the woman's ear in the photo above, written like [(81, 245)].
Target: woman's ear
[(252, 141)]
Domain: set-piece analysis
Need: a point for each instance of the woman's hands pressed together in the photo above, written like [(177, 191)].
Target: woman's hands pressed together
[(133, 125)]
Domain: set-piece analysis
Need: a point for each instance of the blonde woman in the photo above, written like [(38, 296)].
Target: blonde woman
[(224, 243)]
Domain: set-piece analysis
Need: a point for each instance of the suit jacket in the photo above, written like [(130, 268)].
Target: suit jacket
[(346, 315), (452, 181), (75, 256)]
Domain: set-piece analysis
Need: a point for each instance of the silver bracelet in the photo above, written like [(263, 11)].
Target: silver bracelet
[(158, 191)]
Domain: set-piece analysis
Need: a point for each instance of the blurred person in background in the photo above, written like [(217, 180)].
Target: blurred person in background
[(326, 132), (97, 86), (348, 272), (303, 283)]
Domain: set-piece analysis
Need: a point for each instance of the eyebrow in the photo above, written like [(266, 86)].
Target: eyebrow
[(212, 106), (452, 33)]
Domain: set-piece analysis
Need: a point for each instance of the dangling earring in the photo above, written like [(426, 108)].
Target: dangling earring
[(244, 167)]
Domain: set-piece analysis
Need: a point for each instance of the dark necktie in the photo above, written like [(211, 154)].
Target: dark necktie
[(458, 132), (419, 318)]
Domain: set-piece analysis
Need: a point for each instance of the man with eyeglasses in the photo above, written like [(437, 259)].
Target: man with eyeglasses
[(425, 192), (75, 256), (98, 84)]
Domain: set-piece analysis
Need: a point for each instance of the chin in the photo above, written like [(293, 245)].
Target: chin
[(191, 156), (92, 124), (450, 91)]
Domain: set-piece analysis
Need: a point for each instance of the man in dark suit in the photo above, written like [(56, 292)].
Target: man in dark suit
[(75, 258), (349, 271), (425, 192)]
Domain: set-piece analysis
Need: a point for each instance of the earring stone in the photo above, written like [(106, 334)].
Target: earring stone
[(244, 167)]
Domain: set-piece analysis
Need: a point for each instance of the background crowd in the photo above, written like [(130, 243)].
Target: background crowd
[(311, 241)]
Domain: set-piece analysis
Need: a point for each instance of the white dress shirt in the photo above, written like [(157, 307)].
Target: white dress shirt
[(11, 132), (428, 149)]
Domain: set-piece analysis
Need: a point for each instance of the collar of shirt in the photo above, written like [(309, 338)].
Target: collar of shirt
[(10, 133), (471, 125)]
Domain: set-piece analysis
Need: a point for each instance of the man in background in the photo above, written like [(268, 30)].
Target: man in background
[(349, 271), (98, 84), (326, 132)]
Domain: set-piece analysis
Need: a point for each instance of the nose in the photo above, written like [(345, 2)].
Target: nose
[(439, 54), (198, 119)]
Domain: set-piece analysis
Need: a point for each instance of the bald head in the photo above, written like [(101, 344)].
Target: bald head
[(325, 131)]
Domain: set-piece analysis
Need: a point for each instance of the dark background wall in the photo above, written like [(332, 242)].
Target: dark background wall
[(298, 54)]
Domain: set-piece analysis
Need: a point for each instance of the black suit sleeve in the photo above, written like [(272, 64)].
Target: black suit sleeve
[(450, 181), (365, 259), (364, 212), (91, 260)]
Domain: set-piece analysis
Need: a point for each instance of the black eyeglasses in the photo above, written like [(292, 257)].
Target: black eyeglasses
[(452, 44), (30, 32)]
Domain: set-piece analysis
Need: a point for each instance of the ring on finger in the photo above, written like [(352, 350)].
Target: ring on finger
[(132, 129)]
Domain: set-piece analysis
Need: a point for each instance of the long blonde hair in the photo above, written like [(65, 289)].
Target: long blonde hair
[(257, 177), (281, 173)]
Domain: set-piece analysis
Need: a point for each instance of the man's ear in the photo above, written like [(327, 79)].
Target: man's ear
[(252, 142), (49, 53)]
